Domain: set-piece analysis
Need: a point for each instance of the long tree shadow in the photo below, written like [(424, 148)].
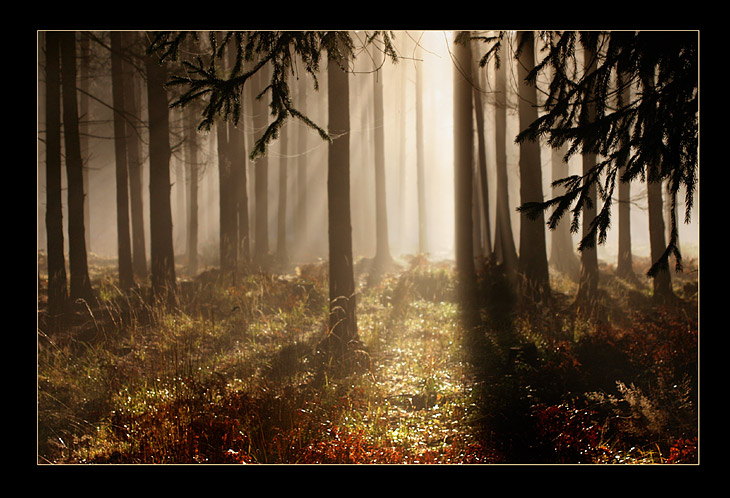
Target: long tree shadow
[(493, 348)]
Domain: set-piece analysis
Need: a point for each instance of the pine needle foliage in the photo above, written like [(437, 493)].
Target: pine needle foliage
[(654, 135), (286, 53)]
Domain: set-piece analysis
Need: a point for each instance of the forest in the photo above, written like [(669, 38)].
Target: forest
[(367, 247)]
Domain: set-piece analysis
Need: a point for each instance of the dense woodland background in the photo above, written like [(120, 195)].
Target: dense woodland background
[(367, 247)]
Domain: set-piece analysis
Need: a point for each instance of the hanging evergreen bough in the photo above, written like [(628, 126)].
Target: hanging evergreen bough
[(201, 77), (661, 123)]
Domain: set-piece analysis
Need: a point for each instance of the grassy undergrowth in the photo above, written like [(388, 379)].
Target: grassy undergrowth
[(233, 375)]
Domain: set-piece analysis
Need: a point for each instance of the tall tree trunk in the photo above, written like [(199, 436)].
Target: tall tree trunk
[(301, 212), (80, 282), (281, 251), (625, 265), (383, 257), (420, 158), (84, 120), (342, 319), (463, 170), (227, 206), (261, 178), (240, 166), (482, 173), (135, 163), (562, 254), (504, 244), (162, 265), (533, 263), (57, 285), (193, 173), (588, 283), (662, 282), (124, 243)]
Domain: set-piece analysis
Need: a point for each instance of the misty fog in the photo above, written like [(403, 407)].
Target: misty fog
[(400, 162)]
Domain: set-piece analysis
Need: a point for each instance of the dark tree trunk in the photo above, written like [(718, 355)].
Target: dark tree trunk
[(135, 163), (261, 179), (383, 257), (625, 264), (342, 320), (533, 264), (463, 170), (239, 191), (57, 285), (124, 243), (84, 120), (588, 283), (483, 180), (227, 204), (504, 244), (192, 164), (161, 246), (662, 281), (240, 167), (301, 212), (80, 283)]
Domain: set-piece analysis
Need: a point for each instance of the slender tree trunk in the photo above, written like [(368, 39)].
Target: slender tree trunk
[(625, 265), (463, 170), (662, 282), (342, 320), (261, 178), (135, 164), (281, 250), (124, 243), (301, 213), (588, 283), (533, 264), (227, 205), (84, 120), (57, 285), (192, 162), (504, 244), (383, 257), (402, 223), (240, 166), (161, 246), (482, 165), (420, 158), (562, 254), (80, 282)]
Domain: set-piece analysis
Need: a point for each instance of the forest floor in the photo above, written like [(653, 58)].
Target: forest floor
[(233, 375)]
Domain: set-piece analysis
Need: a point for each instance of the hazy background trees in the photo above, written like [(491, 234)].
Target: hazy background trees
[(401, 163)]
